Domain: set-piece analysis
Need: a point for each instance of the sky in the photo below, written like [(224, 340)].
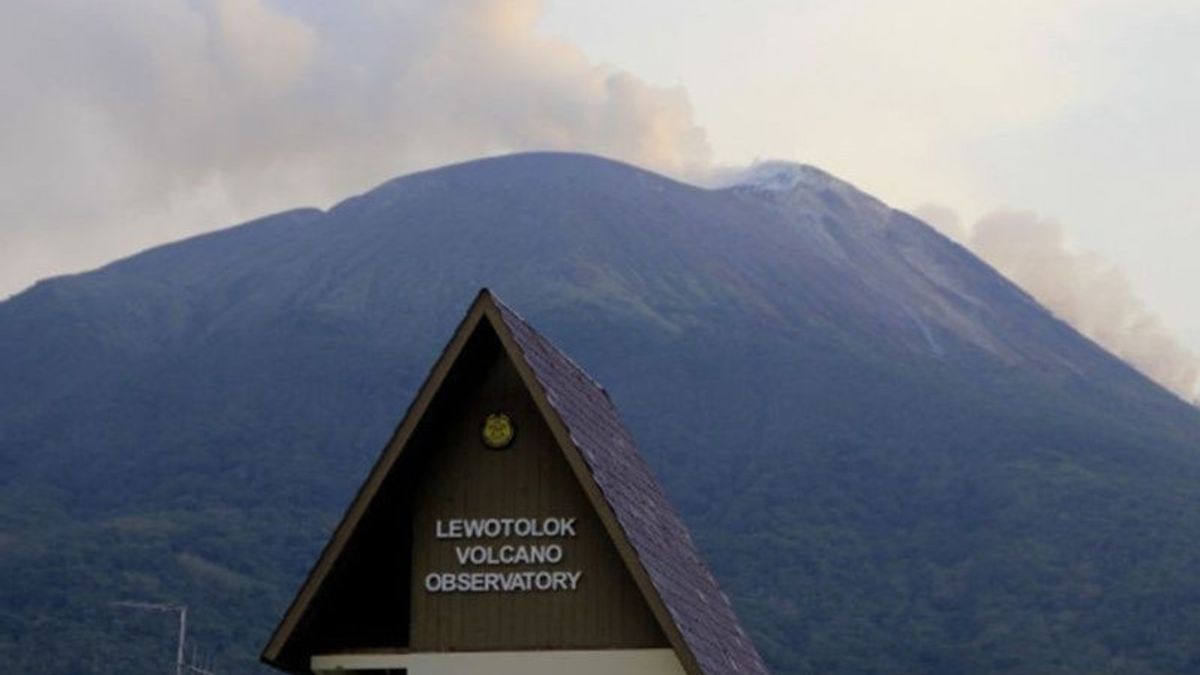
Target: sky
[(1056, 138)]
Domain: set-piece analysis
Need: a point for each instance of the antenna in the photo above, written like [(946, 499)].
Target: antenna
[(181, 667), (198, 669)]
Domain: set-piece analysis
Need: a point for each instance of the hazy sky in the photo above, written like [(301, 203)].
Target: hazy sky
[(1086, 112), (1070, 123)]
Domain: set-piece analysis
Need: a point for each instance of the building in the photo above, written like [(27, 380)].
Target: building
[(510, 526)]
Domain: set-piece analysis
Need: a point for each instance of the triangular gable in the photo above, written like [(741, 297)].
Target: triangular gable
[(651, 541)]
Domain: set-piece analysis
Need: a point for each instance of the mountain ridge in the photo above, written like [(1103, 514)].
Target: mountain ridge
[(889, 453)]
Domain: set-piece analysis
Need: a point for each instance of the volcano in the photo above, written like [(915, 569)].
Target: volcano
[(894, 459)]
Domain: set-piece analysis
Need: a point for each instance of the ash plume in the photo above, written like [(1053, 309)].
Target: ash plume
[(1083, 289), (142, 123)]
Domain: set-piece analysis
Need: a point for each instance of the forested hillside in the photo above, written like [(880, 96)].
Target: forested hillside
[(894, 459)]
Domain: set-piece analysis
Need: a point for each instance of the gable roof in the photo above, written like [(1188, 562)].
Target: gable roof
[(695, 615)]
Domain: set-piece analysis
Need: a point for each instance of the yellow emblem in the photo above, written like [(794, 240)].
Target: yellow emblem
[(497, 431)]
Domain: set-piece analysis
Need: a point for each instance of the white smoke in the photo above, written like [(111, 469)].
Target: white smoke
[(1083, 289), (129, 123)]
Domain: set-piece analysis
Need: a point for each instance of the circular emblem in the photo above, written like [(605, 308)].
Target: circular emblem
[(498, 431)]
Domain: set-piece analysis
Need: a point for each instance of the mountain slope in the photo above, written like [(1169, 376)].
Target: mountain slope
[(895, 460)]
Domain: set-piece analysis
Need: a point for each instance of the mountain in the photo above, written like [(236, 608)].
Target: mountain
[(894, 459)]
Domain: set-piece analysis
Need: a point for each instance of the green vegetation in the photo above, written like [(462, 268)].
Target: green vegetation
[(187, 425)]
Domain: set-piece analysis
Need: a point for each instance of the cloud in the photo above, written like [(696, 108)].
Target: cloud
[(1083, 289), (271, 50), (129, 123)]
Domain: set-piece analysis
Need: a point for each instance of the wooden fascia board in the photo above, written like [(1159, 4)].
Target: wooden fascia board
[(583, 475), (383, 466)]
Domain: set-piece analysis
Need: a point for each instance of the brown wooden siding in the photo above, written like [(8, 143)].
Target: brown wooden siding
[(461, 478)]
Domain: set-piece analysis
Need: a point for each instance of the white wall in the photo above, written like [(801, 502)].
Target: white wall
[(556, 662)]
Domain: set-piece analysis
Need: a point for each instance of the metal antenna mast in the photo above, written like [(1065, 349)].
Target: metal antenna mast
[(180, 666)]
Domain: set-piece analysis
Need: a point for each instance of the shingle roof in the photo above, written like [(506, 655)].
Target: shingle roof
[(655, 531), (701, 625)]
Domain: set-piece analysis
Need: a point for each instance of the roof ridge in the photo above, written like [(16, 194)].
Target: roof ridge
[(660, 540), (655, 544), (505, 308)]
